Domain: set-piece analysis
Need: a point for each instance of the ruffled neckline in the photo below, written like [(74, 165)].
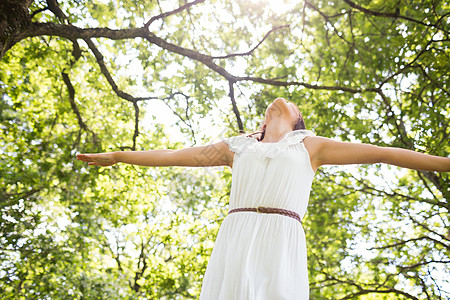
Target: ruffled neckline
[(243, 143), (286, 136)]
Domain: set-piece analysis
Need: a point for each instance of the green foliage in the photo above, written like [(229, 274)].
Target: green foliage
[(377, 76)]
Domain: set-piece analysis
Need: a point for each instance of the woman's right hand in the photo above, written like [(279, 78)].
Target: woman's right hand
[(98, 159)]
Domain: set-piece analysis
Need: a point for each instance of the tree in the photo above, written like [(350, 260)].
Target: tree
[(366, 71)]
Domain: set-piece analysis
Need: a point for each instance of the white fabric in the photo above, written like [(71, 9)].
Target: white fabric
[(263, 256)]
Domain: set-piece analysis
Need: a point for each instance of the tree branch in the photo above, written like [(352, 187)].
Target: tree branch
[(424, 263), (306, 85), (408, 241), (38, 11), (327, 19), (136, 125), (53, 6), (235, 108), (442, 236), (119, 92), (363, 291), (368, 188), (375, 291), (185, 121), (399, 125), (175, 11), (141, 260), (434, 179), (254, 48), (72, 32), (394, 15), (76, 53), (107, 74)]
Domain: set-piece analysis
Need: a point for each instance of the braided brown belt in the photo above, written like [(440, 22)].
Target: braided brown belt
[(268, 210)]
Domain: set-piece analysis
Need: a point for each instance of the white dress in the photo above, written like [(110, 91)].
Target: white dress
[(263, 256)]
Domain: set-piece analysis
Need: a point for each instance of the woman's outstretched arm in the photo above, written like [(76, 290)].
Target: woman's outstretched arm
[(217, 154), (325, 151)]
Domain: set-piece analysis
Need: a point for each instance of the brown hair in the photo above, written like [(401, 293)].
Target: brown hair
[(299, 125)]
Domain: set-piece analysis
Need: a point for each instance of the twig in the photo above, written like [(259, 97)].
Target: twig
[(254, 48)]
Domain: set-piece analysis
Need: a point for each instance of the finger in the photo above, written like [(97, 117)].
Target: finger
[(93, 164), (84, 157), (81, 156)]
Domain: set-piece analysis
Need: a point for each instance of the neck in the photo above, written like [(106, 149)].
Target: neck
[(276, 131)]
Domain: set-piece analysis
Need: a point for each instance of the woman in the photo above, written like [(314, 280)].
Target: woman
[(260, 250)]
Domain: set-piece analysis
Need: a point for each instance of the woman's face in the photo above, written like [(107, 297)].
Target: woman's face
[(281, 109)]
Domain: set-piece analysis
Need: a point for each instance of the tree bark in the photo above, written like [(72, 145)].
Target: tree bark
[(14, 19)]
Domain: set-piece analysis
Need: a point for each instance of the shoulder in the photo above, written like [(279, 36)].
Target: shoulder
[(313, 145), (224, 148)]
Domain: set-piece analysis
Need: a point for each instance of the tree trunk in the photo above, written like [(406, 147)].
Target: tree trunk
[(14, 19)]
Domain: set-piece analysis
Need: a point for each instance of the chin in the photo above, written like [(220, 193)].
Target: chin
[(279, 108), (280, 101)]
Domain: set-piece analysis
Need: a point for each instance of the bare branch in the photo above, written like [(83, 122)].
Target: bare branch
[(442, 236), (401, 243), (307, 85), (169, 13), (119, 92), (73, 32), (184, 120), (136, 125), (203, 58), (107, 74), (399, 125), (235, 108), (74, 106), (141, 260), (254, 48), (38, 11), (434, 179), (424, 263), (53, 6), (69, 31), (71, 91), (76, 52)]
